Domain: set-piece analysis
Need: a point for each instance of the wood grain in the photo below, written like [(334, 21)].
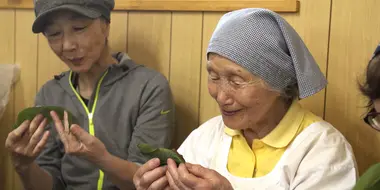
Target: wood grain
[(26, 57), (149, 39), (354, 37), (185, 71), (119, 31), (183, 5), (7, 56)]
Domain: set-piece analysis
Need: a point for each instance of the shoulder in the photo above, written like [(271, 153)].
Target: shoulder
[(52, 85), (325, 146), (206, 134)]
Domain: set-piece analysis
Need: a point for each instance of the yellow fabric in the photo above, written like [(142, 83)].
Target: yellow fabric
[(261, 158)]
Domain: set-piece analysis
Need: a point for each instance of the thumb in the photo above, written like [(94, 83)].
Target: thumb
[(80, 134)]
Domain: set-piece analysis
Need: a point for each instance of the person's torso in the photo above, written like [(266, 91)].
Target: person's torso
[(114, 113)]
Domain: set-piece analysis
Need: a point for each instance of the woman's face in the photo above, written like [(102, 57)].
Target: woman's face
[(78, 41), (244, 100)]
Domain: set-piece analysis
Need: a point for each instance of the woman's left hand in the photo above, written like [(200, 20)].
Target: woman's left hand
[(77, 141), (189, 176)]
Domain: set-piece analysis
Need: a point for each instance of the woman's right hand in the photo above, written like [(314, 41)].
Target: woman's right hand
[(151, 176), (25, 142)]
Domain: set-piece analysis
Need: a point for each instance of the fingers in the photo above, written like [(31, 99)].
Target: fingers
[(151, 176), (175, 181), (81, 135), (36, 137), (171, 182), (148, 166), (198, 170), (35, 123), (161, 183), (188, 179), (41, 143), (16, 134), (66, 122), (58, 125)]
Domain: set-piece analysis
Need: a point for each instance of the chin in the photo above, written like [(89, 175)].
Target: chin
[(232, 122), (80, 68)]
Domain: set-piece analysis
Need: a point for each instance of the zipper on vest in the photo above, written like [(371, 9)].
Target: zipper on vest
[(91, 127)]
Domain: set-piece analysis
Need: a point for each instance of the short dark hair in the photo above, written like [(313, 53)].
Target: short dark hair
[(371, 85), (290, 93)]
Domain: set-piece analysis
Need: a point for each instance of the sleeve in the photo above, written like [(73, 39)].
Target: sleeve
[(330, 164), (50, 157), (370, 180), (155, 122)]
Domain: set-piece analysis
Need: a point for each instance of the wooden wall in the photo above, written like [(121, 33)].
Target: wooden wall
[(341, 35)]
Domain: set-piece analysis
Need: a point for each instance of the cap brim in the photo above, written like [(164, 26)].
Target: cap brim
[(40, 21)]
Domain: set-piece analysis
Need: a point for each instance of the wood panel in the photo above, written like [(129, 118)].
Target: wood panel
[(354, 37), (312, 24), (208, 107), (118, 34), (149, 39), (181, 5), (185, 71), (7, 56), (26, 56)]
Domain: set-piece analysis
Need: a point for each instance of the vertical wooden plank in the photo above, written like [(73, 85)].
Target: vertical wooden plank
[(48, 63), (354, 37), (208, 107), (312, 24), (185, 71), (7, 47), (26, 57), (149, 39), (118, 34)]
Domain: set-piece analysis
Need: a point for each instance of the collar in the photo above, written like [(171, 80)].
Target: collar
[(284, 132)]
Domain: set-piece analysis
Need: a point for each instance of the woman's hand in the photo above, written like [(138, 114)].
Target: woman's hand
[(78, 142), (189, 176), (25, 142), (151, 176)]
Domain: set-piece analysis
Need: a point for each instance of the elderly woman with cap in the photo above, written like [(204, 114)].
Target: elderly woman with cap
[(258, 69), (118, 104), (370, 180)]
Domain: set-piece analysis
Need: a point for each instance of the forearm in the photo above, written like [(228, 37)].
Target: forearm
[(35, 178), (120, 171)]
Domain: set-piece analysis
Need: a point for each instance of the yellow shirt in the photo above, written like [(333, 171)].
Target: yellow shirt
[(260, 159)]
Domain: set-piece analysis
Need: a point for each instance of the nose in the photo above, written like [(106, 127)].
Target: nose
[(224, 97), (68, 43)]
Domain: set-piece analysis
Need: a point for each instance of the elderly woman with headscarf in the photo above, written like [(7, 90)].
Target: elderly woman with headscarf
[(258, 70)]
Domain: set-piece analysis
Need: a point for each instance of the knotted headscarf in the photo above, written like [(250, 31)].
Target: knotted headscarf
[(262, 42)]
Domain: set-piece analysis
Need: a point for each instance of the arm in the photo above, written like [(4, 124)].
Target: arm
[(35, 178), (154, 126), (330, 164)]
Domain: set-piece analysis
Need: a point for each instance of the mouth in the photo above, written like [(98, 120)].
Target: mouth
[(75, 61), (229, 112)]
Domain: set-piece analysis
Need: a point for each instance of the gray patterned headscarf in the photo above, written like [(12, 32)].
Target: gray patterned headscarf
[(262, 42)]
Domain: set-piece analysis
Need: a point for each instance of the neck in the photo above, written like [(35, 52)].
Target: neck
[(271, 118), (87, 81)]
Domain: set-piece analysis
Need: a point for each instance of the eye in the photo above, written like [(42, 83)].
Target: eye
[(79, 28)]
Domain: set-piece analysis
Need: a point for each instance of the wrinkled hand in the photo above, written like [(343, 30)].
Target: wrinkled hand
[(77, 141), (26, 142), (151, 176), (189, 176)]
